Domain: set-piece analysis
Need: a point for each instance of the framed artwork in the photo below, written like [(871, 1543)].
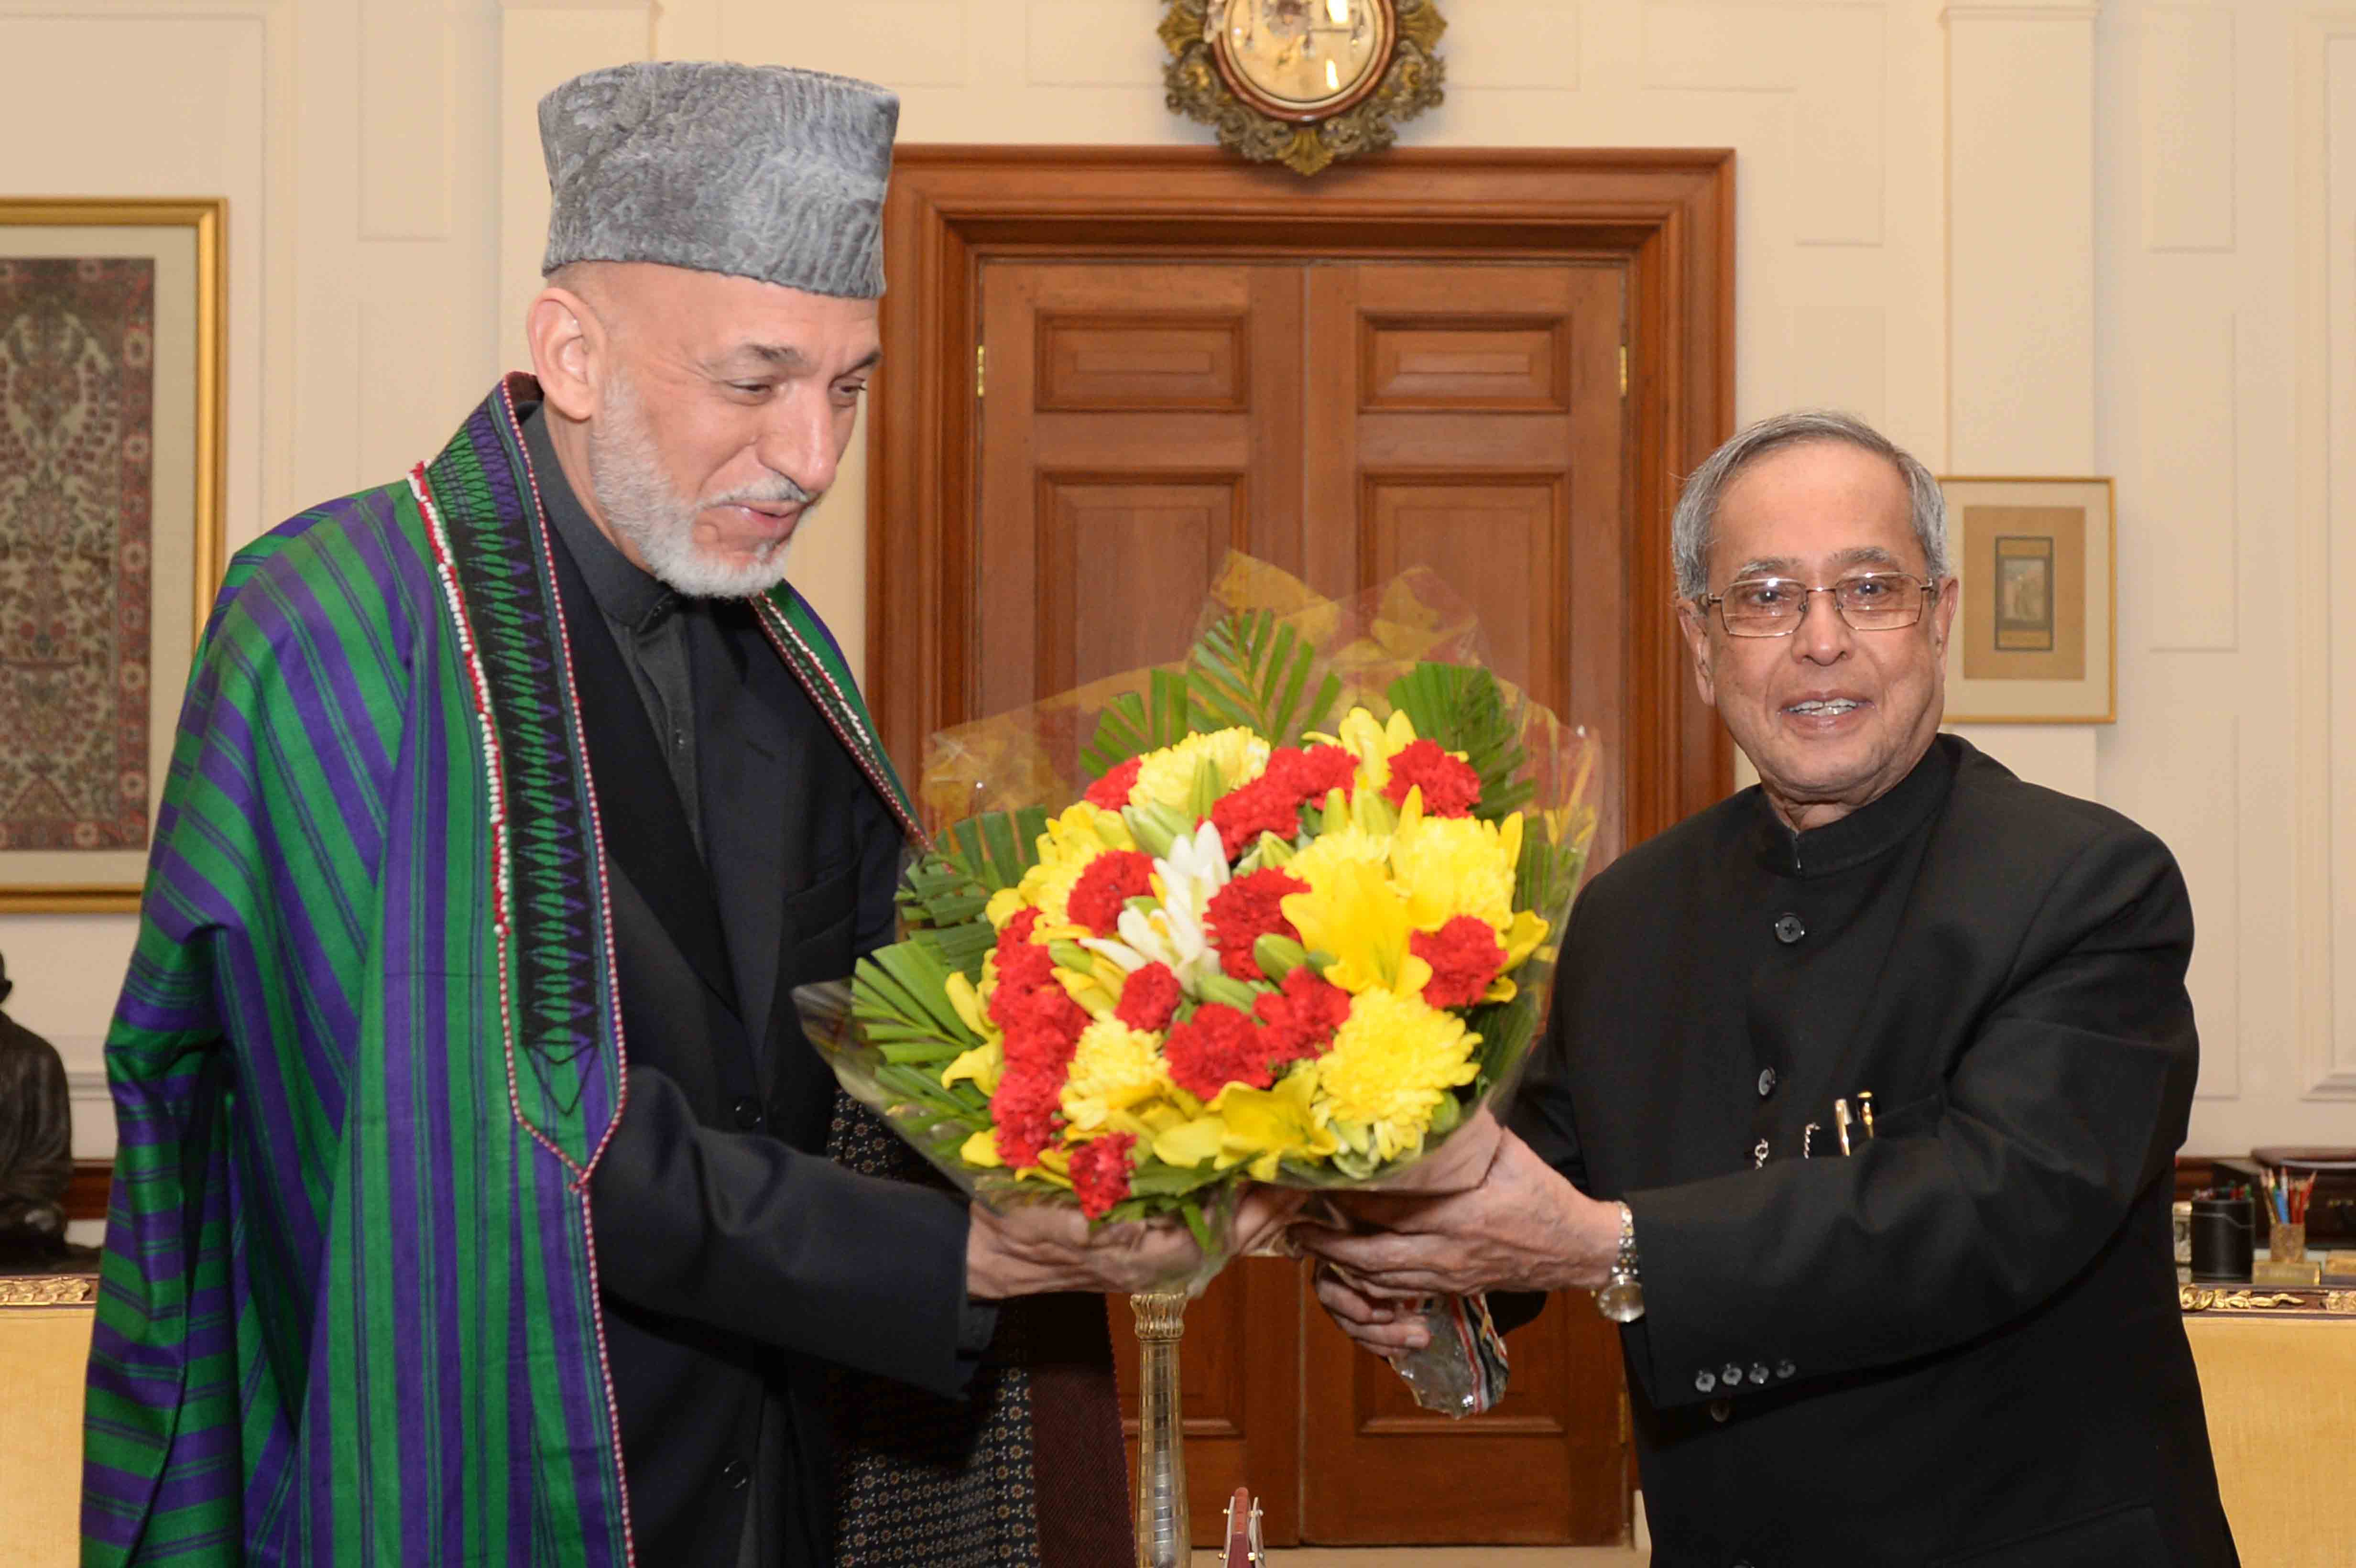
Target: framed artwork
[(111, 527), (2035, 641)]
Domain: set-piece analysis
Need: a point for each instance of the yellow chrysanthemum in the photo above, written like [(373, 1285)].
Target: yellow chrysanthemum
[(1453, 866), (1072, 840), (1449, 866), (1392, 1060), (1114, 1066), (1345, 845), (1167, 777), (1353, 911)]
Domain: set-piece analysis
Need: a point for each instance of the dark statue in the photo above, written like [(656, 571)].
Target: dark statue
[(36, 1151)]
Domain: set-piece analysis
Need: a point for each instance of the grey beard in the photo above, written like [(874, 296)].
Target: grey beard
[(625, 473)]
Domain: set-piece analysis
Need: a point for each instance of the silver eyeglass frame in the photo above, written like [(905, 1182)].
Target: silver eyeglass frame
[(1930, 596)]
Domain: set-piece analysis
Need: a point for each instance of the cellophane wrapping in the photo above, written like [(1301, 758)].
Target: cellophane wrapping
[(1149, 820)]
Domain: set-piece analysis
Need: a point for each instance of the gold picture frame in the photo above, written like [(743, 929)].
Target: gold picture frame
[(2035, 640), (163, 483), (1235, 67)]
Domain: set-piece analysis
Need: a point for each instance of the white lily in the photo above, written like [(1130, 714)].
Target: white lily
[(1174, 934)]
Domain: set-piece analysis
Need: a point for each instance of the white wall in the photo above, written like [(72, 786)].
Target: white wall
[(2026, 236)]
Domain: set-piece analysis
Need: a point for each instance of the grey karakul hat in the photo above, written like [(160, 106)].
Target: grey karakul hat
[(762, 172)]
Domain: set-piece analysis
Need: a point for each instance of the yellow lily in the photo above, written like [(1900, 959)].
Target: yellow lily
[(984, 1065), (1266, 1124), (1190, 1142), (1372, 741), (1353, 913), (967, 1001)]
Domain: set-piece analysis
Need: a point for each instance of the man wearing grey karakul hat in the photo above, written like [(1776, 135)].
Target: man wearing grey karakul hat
[(529, 792)]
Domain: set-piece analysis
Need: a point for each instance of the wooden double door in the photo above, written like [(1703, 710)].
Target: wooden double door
[(1346, 421)]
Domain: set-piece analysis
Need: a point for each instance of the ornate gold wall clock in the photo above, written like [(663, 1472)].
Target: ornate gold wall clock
[(1303, 82)]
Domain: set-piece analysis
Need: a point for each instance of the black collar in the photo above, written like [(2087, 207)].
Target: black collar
[(1880, 824), (629, 597)]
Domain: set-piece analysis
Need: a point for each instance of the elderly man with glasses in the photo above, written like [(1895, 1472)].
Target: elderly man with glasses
[(1860, 1094)]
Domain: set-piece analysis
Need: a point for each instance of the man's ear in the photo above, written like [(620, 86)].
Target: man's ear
[(1694, 624), (1943, 614), (568, 343)]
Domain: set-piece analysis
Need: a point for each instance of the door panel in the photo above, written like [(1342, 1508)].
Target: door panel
[(1432, 362), (1103, 529), (1141, 418), (1514, 526), (1346, 420), (1101, 364)]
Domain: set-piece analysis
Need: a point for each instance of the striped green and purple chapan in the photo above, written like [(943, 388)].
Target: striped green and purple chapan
[(366, 1055)]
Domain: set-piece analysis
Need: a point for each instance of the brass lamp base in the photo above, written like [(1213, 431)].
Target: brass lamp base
[(1163, 1537)]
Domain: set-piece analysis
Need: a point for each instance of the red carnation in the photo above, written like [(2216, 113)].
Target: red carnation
[(1465, 955), (1111, 791), (1301, 1018), (1042, 1026), (1022, 968), (1101, 1173), (1216, 1047), (1148, 998), (1263, 805), (1314, 773), (1111, 880), (1450, 787), (1246, 910), (1024, 1109)]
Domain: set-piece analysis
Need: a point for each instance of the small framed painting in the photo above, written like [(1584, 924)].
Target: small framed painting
[(2035, 641), (111, 527)]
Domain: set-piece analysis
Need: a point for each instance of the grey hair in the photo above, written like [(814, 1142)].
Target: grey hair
[(1696, 513)]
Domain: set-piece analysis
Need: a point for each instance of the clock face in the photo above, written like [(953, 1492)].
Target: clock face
[(1304, 60)]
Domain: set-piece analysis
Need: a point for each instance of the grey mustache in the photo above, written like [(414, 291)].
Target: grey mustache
[(785, 491)]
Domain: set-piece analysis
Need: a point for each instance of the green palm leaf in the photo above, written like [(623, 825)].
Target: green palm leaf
[(1464, 709), (1253, 671), (1131, 725)]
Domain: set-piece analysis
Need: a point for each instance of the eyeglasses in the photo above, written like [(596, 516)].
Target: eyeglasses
[(1775, 606)]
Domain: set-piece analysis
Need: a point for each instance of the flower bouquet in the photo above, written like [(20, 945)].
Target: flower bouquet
[(1285, 913)]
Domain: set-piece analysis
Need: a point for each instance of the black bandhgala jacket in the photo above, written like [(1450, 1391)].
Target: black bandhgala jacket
[(1961, 1343)]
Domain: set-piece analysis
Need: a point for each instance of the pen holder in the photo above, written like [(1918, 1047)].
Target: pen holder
[(2288, 1241), (2223, 1231)]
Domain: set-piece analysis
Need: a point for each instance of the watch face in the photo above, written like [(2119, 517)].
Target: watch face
[(1621, 1300), (1304, 60)]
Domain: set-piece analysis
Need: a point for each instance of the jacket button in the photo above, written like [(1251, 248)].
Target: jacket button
[(1758, 1373), (1766, 1081), (1720, 1410), (1732, 1376), (1705, 1381), (748, 1113), (737, 1474), (1789, 930), (1787, 1370)]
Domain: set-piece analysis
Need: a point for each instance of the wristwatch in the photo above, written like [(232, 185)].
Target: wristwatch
[(1622, 1299)]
